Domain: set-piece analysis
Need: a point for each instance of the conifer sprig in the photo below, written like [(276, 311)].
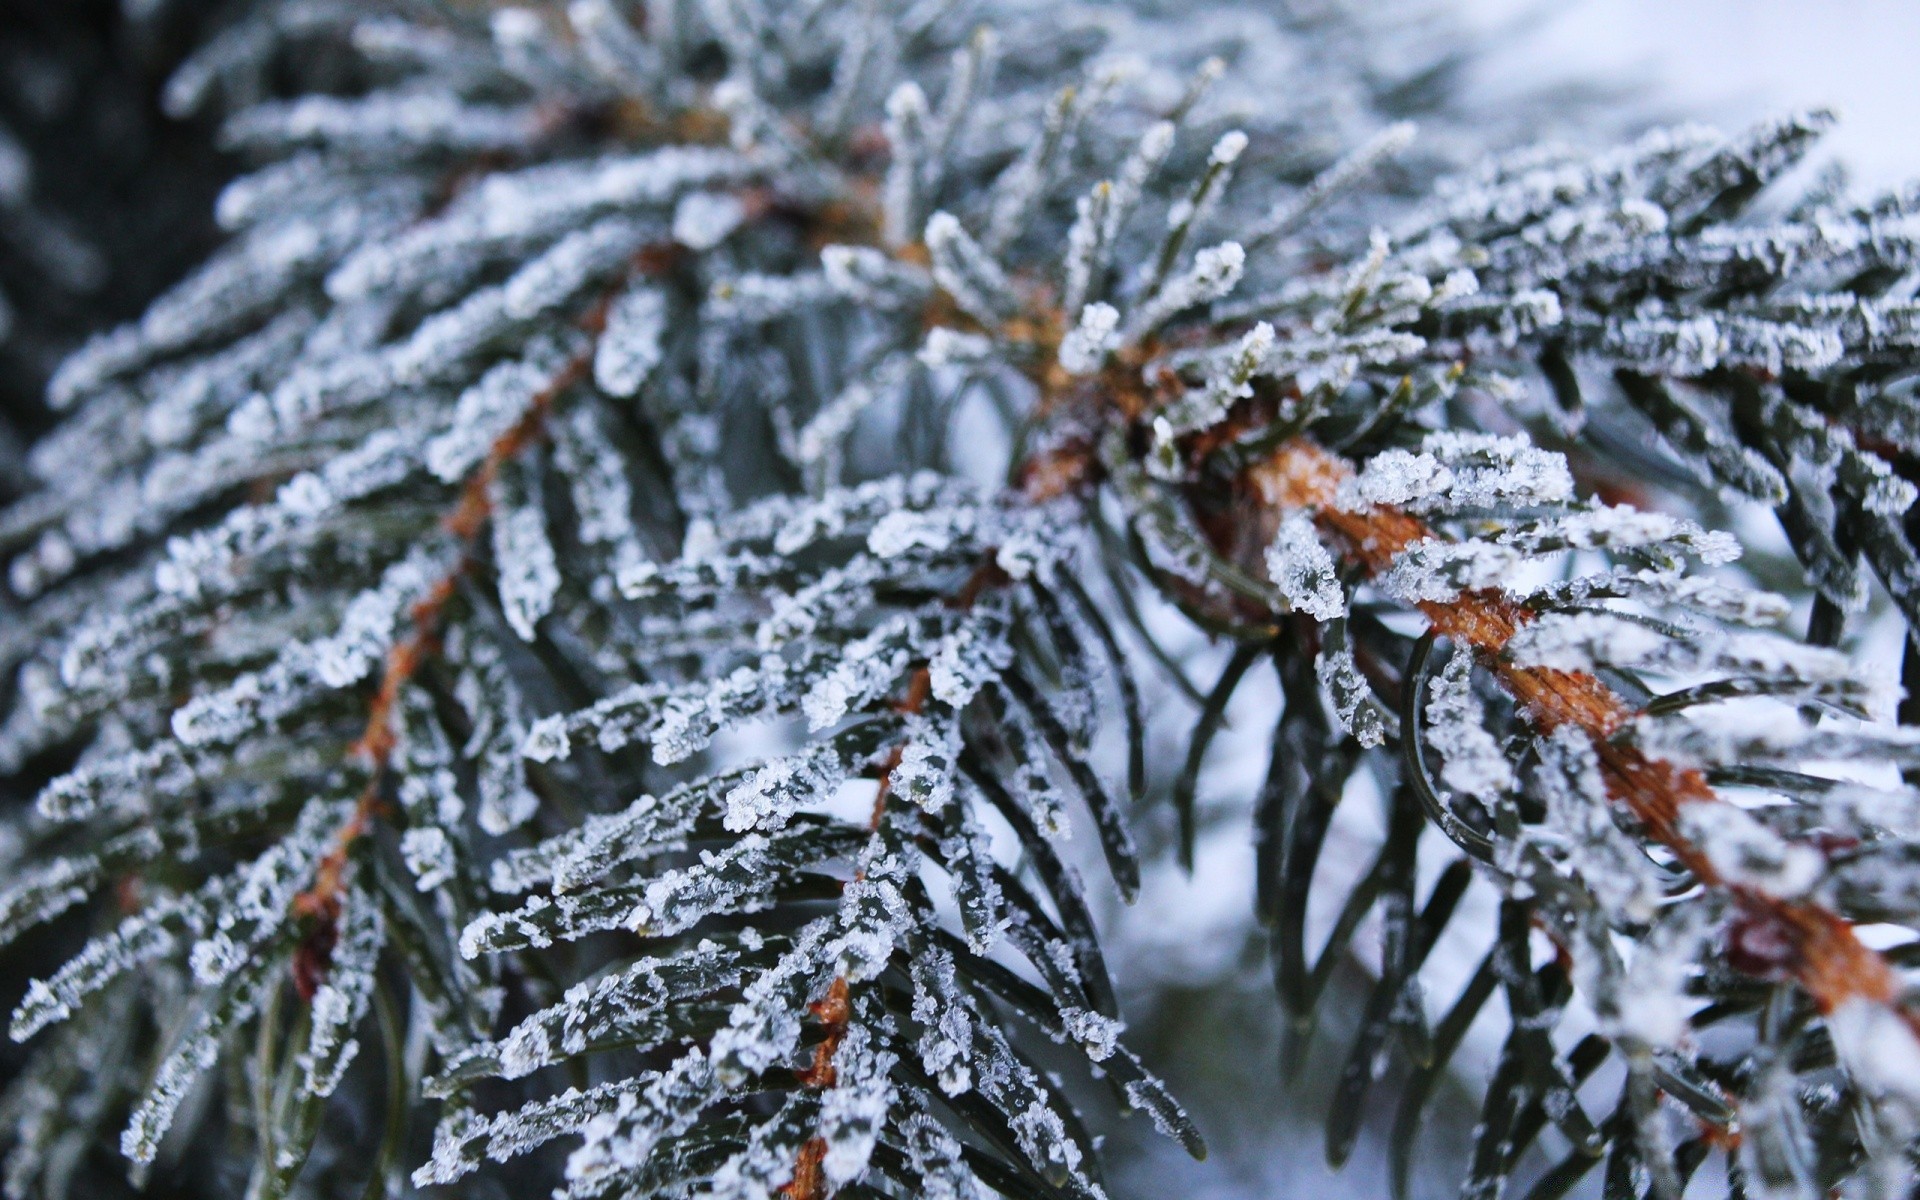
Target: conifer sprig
[(546, 525)]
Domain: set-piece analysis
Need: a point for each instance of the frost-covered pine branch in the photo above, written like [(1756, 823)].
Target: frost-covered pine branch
[(528, 648)]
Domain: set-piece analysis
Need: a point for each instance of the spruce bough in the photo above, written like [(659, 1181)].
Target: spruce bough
[(567, 650)]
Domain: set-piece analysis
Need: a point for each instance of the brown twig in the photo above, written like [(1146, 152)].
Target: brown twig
[(320, 902), (833, 1010), (1814, 946)]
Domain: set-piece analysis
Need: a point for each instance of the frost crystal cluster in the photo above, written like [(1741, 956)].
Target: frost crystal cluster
[(565, 656)]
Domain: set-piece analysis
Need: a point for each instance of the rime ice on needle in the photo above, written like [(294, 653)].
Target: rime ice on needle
[(537, 492)]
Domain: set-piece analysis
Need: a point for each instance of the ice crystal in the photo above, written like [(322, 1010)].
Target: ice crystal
[(1304, 572), (735, 477)]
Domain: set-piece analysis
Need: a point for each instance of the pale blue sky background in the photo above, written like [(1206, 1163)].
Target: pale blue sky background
[(1729, 61)]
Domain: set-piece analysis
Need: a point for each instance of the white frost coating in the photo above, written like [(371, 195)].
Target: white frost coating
[(1456, 471), (366, 630), (485, 933), (1215, 272), (1880, 491), (1617, 527), (906, 131), (1084, 255), (612, 46), (764, 1026), (462, 1135), (430, 792), (1456, 727), (685, 723), (595, 468), (874, 913), (1352, 695), (1293, 212), (631, 1004), (1747, 853), (211, 561), (953, 347), (764, 1165), (261, 891), (437, 346), (1695, 345), (1228, 149), (1615, 869), (555, 195), (898, 532), (1229, 381), (630, 346), (1774, 1141), (341, 1001), (586, 853), (820, 439), (429, 855), (547, 740), (1143, 1095), (1400, 478), (855, 1109), (702, 617), (1651, 1005), (735, 878), (1895, 810), (1303, 570), (830, 604), (937, 1160), (193, 1053), (1668, 589), (967, 658), (777, 788), (1025, 180), (576, 260), (490, 408), (924, 774), (1579, 641), (1096, 1034), (867, 669), (381, 121), (617, 1142), (1027, 549), (1130, 184), (731, 879), (1043, 1136), (1090, 340), (144, 937), (1704, 736), (872, 278), (967, 272), (127, 782), (614, 722), (529, 573), (1192, 210), (946, 1021), (702, 220), (751, 298), (1434, 570), (1877, 1047)]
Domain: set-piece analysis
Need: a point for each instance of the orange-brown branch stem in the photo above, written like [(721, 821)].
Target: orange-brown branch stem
[(1825, 955), (833, 1010), (320, 903)]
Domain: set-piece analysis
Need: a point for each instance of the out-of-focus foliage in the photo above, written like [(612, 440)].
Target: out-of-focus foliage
[(103, 199)]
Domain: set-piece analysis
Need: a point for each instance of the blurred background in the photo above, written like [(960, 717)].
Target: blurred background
[(1728, 62)]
